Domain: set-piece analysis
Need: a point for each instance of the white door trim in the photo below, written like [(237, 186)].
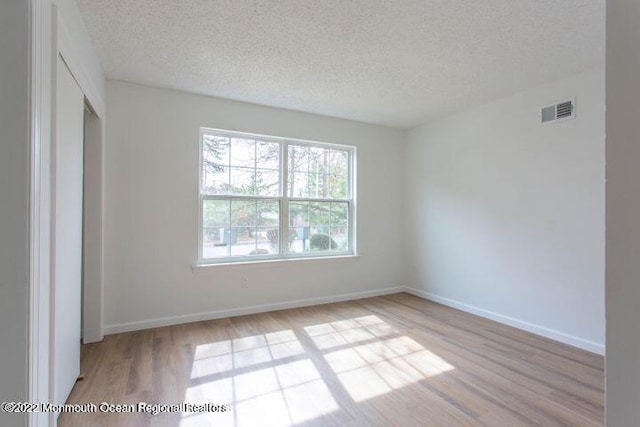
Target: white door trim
[(40, 72), (44, 46)]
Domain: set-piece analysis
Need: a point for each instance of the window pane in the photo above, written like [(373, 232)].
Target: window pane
[(243, 213), (243, 226), (318, 160), (215, 150), (267, 183), (319, 215), (338, 186), (256, 227), (298, 158), (268, 213), (215, 180), (339, 162), (298, 214), (243, 152), (319, 185), (268, 228), (215, 159), (242, 181), (339, 230), (299, 229), (339, 178), (320, 227), (318, 172), (215, 228), (268, 155), (240, 166), (298, 184)]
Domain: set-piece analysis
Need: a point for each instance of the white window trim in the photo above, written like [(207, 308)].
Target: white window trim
[(283, 199)]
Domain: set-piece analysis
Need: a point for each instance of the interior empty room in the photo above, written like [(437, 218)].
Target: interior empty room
[(319, 213)]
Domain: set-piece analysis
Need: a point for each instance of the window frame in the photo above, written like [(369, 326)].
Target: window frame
[(283, 200)]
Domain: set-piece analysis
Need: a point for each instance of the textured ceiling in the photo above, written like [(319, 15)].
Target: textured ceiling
[(393, 62)]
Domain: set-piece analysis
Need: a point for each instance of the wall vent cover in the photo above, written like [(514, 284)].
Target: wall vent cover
[(560, 111)]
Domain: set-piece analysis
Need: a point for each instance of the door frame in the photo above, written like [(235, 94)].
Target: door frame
[(41, 47), (49, 37), (93, 252)]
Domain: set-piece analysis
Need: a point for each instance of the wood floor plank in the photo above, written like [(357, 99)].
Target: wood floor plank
[(394, 360)]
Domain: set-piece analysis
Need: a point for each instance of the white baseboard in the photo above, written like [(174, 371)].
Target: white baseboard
[(254, 309), (262, 308), (555, 335)]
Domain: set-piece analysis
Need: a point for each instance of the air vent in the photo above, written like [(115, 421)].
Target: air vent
[(560, 111)]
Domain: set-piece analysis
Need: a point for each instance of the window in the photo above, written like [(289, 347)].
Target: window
[(268, 198)]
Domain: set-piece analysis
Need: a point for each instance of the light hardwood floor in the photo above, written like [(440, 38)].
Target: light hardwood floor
[(396, 360)]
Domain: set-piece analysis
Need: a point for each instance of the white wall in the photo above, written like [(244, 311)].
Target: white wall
[(152, 209), (506, 216), (623, 213), (14, 204)]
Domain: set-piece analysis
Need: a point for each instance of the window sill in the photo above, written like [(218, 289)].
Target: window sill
[(266, 262)]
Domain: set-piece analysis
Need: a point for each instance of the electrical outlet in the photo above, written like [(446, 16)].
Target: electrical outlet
[(244, 283)]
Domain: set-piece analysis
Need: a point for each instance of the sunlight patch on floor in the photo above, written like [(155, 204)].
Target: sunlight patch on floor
[(224, 356), (377, 365), (270, 380), (267, 378)]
